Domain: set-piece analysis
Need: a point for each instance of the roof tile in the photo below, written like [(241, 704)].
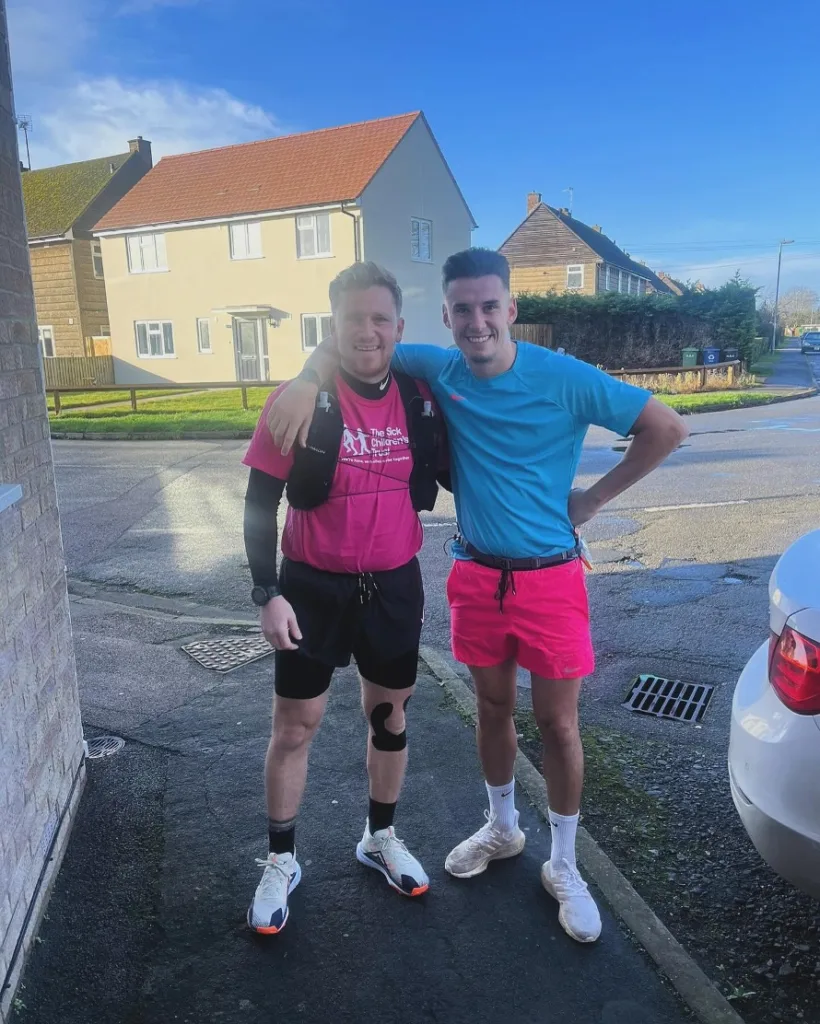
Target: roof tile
[(287, 172)]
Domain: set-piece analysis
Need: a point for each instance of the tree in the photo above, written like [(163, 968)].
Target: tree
[(797, 306)]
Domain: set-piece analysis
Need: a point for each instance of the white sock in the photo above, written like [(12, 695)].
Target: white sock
[(563, 828), (502, 805)]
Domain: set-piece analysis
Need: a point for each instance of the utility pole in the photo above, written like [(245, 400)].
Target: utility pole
[(784, 241)]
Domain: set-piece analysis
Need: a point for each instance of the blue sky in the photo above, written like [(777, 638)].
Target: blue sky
[(690, 132)]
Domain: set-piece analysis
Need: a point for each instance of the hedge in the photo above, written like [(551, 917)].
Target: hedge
[(630, 331)]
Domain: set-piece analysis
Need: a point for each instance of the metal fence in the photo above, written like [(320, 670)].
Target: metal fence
[(79, 372)]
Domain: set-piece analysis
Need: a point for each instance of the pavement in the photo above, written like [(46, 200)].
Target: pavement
[(146, 924), (793, 370)]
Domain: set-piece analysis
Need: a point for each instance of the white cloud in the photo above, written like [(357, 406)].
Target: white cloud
[(799, 269), (95, 117)]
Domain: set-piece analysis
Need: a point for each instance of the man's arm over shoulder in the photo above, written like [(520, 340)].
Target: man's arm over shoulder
[(424, 362), (263, 453)]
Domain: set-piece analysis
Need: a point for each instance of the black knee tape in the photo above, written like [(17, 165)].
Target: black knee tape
[(382, 738)]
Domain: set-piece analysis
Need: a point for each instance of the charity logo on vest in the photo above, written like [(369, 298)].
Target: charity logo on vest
[(381, 445)]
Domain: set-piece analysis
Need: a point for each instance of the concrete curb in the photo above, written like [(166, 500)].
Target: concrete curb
[(690, 982), (244, 435)]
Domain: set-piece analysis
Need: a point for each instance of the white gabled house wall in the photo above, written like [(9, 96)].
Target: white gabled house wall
[(415, 182)]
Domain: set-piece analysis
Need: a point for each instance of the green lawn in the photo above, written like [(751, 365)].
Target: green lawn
[(766, 364), (214, 410), (71, 400), (222, 410), (706, 401)]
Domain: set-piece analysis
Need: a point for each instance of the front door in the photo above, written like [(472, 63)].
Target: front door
[(250, 349)]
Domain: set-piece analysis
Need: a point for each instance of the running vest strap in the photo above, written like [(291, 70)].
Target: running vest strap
[(314, 466)]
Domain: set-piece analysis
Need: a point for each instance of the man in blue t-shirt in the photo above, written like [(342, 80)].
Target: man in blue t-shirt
[(516, 416)]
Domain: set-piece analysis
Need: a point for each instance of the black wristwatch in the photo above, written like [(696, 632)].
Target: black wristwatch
[(307, 373), (261, 595)]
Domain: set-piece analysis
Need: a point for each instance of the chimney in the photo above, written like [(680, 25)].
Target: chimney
[(533, 200), (597, 227), (143, 147), (564, 210)]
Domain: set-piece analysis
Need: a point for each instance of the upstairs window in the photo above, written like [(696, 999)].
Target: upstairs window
[(421, 240), (575, 276), (146, 253), (313, 235), (246, 240)]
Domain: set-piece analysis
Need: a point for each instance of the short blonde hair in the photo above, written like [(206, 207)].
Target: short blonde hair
[(361, 276)]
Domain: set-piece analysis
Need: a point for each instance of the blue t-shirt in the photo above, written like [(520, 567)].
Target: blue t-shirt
[(515, 440)]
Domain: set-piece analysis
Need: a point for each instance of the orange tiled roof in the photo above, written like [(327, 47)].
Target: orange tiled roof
[(287, 172)]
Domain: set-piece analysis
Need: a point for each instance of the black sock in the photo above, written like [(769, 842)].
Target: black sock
[(281, 836), (380, 816)]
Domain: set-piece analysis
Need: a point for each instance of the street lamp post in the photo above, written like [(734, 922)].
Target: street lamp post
[(784, 241)]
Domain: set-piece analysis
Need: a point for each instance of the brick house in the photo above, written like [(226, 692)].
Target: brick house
[(62, 204), (550, 251), (41, 741)]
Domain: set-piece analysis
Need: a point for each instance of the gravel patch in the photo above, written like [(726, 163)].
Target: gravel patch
[(665, 816)]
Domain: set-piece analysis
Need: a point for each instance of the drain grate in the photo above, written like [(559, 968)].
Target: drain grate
[(103, 746), (228, 653), (669, 698)]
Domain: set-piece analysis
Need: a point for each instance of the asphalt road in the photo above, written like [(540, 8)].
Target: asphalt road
[(682, 560)]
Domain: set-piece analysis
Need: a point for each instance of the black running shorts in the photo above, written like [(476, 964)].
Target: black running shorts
[(375, 618)]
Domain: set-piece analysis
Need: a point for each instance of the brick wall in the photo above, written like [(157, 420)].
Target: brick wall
[(40, 731), (55, 292), (90, 291)]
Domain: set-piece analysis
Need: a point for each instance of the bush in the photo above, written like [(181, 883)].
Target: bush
[(629, 331)]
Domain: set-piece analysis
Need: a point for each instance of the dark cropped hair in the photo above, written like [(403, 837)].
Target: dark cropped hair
[(360, 277), (475, 263)]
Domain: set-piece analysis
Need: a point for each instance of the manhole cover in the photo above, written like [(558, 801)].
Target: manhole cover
[(669, 698), (228, 653), (103, 746)]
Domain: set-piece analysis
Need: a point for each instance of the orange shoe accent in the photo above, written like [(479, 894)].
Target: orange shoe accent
[(420, 890), (266, 931)]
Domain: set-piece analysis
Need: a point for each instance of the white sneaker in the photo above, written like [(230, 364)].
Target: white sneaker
[(578, 915), (268, 913), (490, 843), (385, 852)]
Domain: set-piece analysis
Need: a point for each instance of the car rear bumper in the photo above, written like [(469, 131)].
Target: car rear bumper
[(774, 762), (792, 855)]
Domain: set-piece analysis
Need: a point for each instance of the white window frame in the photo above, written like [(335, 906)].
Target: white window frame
[(245, 239), (317, 318), (202, 349), (158, 329), (97, 260), (138, 246), (621, 289), (309, 222), (418, 225), (609, 286), (50, 329), (575, 268)]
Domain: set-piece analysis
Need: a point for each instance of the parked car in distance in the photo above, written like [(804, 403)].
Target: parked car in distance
[(774, 745), (810, 342)]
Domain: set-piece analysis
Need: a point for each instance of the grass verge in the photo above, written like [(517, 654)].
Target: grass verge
[(715, 400)]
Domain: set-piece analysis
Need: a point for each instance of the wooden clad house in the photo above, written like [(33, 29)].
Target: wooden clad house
[(550, 251), (62, 205)]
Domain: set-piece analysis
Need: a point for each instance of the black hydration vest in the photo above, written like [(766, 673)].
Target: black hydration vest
[(314, 466)]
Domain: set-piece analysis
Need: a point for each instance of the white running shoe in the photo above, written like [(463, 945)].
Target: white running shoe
[(490, 843), (385, 852), (268, 913), (578, 915)]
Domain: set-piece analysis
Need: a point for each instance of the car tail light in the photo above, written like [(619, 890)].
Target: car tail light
[(794, 671)]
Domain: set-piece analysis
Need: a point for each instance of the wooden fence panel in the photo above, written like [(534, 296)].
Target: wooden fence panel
[(78, 371), (538, 334)]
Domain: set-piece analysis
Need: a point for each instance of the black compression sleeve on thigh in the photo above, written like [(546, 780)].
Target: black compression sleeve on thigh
[(261, 503), (382, 738)]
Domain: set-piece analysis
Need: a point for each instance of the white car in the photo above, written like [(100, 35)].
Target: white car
[(774, 747)]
